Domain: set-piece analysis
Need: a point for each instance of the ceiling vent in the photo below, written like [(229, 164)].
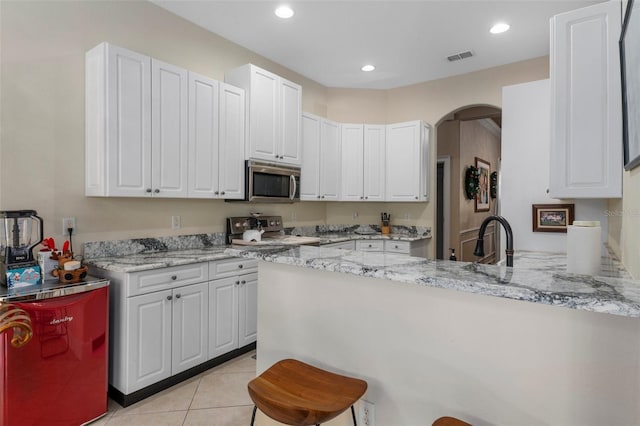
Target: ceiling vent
[(461, 55)]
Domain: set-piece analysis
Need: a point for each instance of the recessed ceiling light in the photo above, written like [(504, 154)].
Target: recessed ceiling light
[(284, 12), (368, 68), (499, 28)]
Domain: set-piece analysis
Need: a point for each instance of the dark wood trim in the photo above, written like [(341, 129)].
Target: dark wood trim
[(139, 395)]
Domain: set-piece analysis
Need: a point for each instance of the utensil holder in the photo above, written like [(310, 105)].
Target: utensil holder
[(385, 229)]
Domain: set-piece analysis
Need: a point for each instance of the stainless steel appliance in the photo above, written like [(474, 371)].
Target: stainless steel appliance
[(272, 235), (271, 183), (20, 232)]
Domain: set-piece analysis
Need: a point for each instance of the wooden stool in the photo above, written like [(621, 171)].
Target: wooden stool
[(449, 421), (296, 393)]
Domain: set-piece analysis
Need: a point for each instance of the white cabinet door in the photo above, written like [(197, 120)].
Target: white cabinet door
[(586, 129), (223, 316), (262, 88), (310, 173), (330, 160), (374, 159), (232, 125), (118, 150), (169, 153), (203, 136), (248, 309), (290, 119), (273, 114), (190, 326), (404, 160), (149, 339), (352, 140)]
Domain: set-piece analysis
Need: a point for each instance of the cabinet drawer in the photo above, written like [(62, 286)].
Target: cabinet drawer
[(166, 278), (229, 268), (370, 245), (403, 247)]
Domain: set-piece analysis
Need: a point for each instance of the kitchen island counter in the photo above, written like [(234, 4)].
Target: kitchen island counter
[(536, 284), (430, 342)]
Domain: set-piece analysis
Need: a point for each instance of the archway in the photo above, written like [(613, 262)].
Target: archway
[(468, 136)]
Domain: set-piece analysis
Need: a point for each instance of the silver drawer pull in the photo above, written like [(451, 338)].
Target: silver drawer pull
[(240, 266), (237, 282), (174, 277), (169, 297), (397, 246), (243, 282), (178, 296)]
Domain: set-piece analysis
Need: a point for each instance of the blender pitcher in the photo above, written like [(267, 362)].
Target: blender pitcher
[(20, 232)]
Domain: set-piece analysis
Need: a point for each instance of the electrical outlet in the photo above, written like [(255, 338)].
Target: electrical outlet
[(367, 413), (175, 222), (68, 222), (354, 216)]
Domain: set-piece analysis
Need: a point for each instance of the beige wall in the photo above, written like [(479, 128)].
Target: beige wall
[(449, 145), (624, 223), (42, 121)]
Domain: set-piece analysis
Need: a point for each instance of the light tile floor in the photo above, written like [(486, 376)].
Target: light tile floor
[(217, 397)]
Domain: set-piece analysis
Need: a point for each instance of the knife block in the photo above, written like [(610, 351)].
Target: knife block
[(385, 230)]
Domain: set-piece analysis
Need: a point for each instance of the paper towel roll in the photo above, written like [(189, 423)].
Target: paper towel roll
[(583, 248)]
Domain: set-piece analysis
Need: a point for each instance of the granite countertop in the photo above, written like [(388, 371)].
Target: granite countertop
[(338, 237), (163, 259), (618, 296), (48, 289)]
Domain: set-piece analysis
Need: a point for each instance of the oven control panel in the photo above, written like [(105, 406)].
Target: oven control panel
[(237, 225)]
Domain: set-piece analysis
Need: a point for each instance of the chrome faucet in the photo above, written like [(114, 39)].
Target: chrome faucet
[(479, 251)]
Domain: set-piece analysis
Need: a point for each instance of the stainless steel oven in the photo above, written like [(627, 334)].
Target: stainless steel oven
[(272, 183)]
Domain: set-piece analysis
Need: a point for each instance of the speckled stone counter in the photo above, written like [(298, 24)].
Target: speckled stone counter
[(339, 233), (616, 296)]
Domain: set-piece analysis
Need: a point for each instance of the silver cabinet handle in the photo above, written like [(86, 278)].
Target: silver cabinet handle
[(178, 296), (156, 190), (216, 193), (366, 198), (174, 277), (362, 198), (416, 197), (241, 266), (148, 190), (318, 196), (169, 297), (323, 196), (277, 156), (237, 282), (243, 282)]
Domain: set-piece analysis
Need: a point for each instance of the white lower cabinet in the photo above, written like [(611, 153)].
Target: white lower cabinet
[(167, 333), (233, 301), (168, 320)]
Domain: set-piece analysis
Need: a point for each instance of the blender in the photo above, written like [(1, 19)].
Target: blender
[(20, 232)]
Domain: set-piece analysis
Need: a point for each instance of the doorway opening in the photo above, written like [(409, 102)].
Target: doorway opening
[(469, 136)]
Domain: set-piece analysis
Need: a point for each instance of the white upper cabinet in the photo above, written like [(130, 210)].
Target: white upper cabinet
[(232, 127), (203, 136), (407, 161), (118, 150), (363, 168), (352, 161), (586, 106), (375, 137), (273, 114), (216, 139), (155, 129), (330, 160), (169, 145), (310, 173)]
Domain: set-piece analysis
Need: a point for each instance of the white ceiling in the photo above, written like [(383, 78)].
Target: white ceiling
[(408, 41)]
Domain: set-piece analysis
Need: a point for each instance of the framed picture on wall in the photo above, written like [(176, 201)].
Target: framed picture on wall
[(482, 198), (552, 217)]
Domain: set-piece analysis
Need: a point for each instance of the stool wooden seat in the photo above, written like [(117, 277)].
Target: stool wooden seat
[(449, 421), (296, 393)]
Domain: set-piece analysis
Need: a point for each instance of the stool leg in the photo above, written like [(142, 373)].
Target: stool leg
[(253, 416), (353, 414)]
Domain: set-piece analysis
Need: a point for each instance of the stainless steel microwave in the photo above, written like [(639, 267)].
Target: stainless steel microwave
[(272, 183)]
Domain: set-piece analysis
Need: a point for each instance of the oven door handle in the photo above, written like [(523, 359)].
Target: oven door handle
[(293, 187)]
